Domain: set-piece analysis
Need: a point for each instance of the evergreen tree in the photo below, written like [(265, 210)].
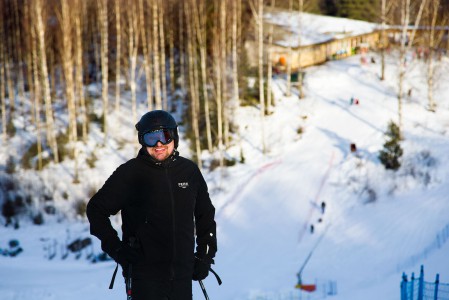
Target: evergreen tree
[(353, 9), (391, 153)]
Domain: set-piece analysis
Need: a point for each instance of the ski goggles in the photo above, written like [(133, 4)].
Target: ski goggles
[(165, 136)]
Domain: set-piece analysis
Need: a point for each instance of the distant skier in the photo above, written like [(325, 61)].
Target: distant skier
[(323, 207), (164, 201)]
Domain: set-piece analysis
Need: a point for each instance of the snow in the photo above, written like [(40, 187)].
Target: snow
[(264, 207), (315, 29)]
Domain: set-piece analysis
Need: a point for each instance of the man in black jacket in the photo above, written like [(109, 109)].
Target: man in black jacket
[(164, 203)]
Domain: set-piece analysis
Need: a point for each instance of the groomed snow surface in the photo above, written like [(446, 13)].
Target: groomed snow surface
[(376, 224)]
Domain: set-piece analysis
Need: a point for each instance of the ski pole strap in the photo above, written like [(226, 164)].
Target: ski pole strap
[(203, 288), (111, 285), (216, 276)]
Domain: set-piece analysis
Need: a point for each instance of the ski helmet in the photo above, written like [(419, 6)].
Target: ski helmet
[(154, 120)]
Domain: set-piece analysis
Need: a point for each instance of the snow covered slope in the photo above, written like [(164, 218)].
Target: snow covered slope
[(376, 224)]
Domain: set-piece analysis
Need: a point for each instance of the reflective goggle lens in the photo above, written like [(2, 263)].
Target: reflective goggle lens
[(151, 138)]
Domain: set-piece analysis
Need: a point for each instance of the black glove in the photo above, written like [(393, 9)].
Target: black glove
[(201, 267), (126, 255)]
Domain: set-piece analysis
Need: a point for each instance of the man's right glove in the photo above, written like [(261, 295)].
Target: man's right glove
[(201, 267), (127, 255)]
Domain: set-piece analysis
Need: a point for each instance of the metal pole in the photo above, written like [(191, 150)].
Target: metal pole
[(437, 282), (203, 288)]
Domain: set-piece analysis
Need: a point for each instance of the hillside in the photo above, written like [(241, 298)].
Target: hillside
[(264, 208)]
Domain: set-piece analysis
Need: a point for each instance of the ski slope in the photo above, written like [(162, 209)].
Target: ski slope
[(264, 208)]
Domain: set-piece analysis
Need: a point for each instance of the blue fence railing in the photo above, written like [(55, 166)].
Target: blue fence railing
[(418, 289)]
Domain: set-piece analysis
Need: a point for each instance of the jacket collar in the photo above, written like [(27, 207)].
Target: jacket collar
[(143, 153)]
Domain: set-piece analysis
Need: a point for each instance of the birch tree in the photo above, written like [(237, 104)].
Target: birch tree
[(79, 15), (171, 46), (146, 56), (133, 47), (406, 43), (28, 43), (38, 12), (156, 58), (18, 43), (235, 76), (258, 17), (2, 75), (65, 22), (288, 89), (200, 17), (270, 64), (37, 96), (385, 9), (118, 51), (193, 87), (433, 40), (218, 82), (103, 25), (300, 73), (223, 61), (162, 51)]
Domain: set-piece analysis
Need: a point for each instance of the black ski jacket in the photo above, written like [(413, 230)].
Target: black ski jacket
[(163, 205)]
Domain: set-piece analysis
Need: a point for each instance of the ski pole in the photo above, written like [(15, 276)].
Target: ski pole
[(129, 295), (203, 288), (129, 283)]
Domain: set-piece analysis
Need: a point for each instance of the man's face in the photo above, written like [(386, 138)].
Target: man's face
[(161, 152)]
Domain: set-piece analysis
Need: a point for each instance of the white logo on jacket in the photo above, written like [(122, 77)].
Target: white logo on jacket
[(183, 185)]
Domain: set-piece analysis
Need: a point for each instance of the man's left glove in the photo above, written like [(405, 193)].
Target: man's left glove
[(201, 267)]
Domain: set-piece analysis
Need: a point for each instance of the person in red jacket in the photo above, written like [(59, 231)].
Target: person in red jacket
[(164, 204)]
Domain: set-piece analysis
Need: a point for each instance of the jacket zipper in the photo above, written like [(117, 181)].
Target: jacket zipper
[(172, 202)]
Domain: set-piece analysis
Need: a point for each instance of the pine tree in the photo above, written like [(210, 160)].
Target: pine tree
[(392, 150)]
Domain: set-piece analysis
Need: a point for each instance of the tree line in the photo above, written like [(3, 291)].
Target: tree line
[(60, 46), (50, 50)]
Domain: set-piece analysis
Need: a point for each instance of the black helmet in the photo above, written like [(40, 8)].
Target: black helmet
[(154, 120)]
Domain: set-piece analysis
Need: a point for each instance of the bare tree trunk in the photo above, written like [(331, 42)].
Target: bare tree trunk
[(156, 59), (171, 44), (405, 12), (181, 49), (163, 63), (223, 60), (37, 93), (383, 40), (118, 50), (103, 24), (300, 73), (133, 46), (191, 47), (68, 66), (434, 5), (235, 75), (270, 65), (18, 37), (261, 77), (218, 86), (258, 17), (199, 15), (28, 30), (146, 56), (40, 28), (2, 78), (79, 86), (288, 89), (34, 80)]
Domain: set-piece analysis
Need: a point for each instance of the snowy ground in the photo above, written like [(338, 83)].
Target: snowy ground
[(264, 208)]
